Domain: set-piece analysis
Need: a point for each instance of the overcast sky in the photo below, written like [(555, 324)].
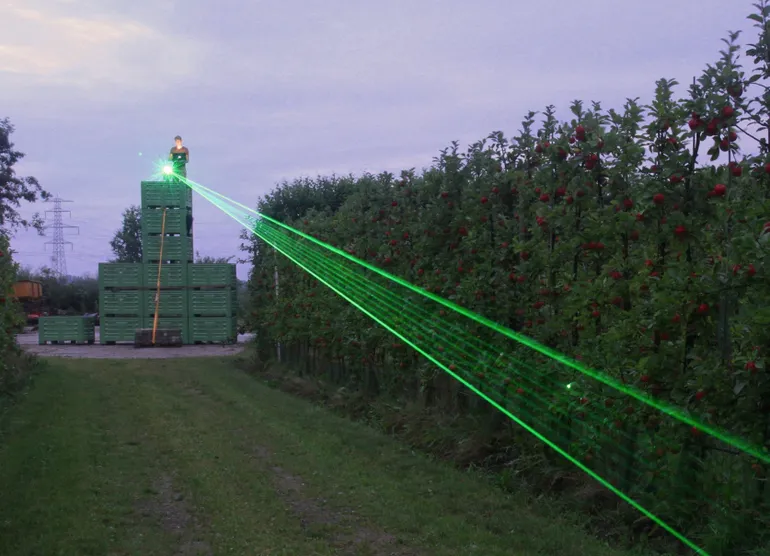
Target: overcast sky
[(267, 90)]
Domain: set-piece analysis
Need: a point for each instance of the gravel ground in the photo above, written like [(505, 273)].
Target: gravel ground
[(28, 342)]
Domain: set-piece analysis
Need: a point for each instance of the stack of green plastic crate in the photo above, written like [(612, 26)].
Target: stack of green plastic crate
[(120, 301), (213, 303), (59, 329), (175, 199), (198, 299)]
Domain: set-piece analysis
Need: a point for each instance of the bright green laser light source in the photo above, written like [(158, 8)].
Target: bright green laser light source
[(168, 170)]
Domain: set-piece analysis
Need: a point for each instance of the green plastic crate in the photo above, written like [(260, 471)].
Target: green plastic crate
[(121, 275), (212, 302), (179, 323), (121, 302), (212, 274), (213, 329), (159, 194), (175, 248), (176, 221), (118, 329), (66, 329), (172, 302), (172, 275)]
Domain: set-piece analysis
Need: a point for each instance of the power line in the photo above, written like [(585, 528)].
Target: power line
[(58, 259)]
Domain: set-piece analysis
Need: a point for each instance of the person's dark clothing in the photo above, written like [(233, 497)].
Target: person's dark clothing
[(179, 166)]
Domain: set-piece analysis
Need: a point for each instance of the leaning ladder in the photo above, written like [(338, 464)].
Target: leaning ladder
[(157, 287)]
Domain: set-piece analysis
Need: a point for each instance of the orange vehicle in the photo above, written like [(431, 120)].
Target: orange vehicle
[(27, 289), (30, 294)]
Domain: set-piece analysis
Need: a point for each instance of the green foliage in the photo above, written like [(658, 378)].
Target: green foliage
[(67, 296), (15, 189), (13, 366), (126, 244), (206, 259)]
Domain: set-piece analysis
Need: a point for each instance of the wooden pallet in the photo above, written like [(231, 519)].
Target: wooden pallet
[(164, 337)]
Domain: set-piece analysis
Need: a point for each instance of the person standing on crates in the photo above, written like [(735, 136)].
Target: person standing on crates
[(180, 155)]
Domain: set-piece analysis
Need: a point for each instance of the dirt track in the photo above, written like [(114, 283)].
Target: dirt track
[(28, 342), (195, 457)]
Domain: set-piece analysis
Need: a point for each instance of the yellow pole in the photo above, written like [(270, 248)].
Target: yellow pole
[(157, 290)]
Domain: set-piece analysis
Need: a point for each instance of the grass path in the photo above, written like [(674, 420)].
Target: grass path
[(193, 457)]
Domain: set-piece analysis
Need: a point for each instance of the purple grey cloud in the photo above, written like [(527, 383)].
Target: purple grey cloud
[(272, 90)]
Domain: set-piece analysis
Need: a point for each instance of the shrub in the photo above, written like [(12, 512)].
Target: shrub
[(14, 367)]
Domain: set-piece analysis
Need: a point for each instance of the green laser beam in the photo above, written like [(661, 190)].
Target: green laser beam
[(670, 410), (253, 211), (459, 340), (402, 309), (280, 244), (471, 387), (275, 243)]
